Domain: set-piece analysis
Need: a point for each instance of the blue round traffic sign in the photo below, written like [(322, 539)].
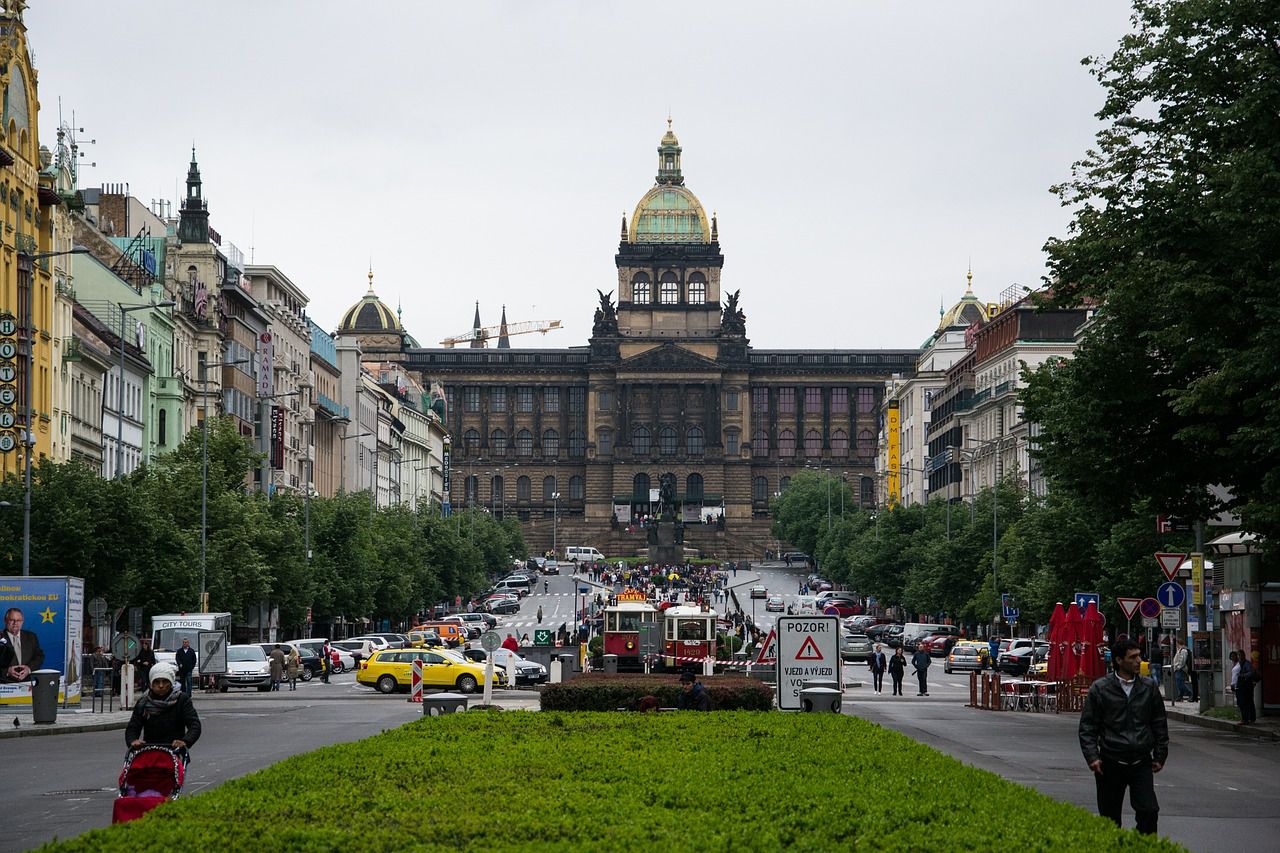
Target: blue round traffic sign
[(1171, 594), (1149, 608)]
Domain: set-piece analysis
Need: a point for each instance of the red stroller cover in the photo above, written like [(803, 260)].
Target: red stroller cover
[(151, 775)]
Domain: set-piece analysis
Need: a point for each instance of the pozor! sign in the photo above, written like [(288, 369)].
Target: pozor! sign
[(808, 649)]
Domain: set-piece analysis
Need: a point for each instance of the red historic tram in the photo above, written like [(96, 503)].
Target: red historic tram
[(686, 634)]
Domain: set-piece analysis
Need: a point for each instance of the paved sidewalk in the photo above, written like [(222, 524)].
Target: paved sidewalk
[(69, 720), (1266, 728)]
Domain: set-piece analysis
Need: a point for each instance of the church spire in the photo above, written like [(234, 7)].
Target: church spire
[(477, 342), (193, 219), (669, 159), (503, 341)]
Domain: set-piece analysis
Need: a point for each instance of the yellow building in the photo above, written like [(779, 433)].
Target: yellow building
[(25, 287)]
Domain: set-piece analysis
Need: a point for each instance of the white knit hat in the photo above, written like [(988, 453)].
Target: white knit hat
[(164, 670)]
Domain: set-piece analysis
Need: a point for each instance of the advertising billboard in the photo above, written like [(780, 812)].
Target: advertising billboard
[(53, 612)]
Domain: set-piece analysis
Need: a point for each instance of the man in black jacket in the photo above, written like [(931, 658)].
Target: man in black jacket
[(1124, 736), (163, 715), (693, 696), (185, 659)]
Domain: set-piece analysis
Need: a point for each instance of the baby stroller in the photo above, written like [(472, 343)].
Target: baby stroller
[(152, 774)]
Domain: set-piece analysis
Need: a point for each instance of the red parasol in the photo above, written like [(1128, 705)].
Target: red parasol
[(1057, 653), (1094, 666), (1072, 635)]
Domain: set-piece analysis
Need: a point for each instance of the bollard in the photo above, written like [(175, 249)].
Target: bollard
[(44, 696), (553, 671), (610, 664), (439, 704), (820, 700), (973, 690), (566, 667)]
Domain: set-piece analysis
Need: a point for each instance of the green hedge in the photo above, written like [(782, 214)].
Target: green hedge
[(548, 781), (600, 692)]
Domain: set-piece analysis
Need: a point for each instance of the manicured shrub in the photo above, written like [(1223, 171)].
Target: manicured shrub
[(620, 782), (599, 692)]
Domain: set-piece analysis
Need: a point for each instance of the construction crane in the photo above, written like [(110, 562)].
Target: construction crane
[(480, 336)]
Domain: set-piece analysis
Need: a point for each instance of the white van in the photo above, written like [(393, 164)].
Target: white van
[(914, 632), (575, 554)]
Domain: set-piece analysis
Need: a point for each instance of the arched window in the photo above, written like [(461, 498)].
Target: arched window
[(693, 489), (760, 444), (548, 489), (667, 441), (640, 488), (839, 443), (731, 443), (786, 444), (640, 289), (759, 490), (640, 441), (471, 441), (550, 443), (670, 291), (495, 490), (524, 443), (697, 289), (576, 490), (498, 442), (604, 442), (524, 489), (812, 443), (867, 498), (695, 441), (472, 486), (866, 443), (784, 484), (577, 447)]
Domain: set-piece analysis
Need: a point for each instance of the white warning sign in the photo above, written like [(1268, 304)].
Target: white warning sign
[(808, 649)]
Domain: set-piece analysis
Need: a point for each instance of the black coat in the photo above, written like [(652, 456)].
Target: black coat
[(185, 659), (177, 722), (697, 699), (897, 665), (1124, 728)]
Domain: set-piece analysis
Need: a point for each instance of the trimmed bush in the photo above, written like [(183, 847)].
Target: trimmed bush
[(620, 782), (600, 692)]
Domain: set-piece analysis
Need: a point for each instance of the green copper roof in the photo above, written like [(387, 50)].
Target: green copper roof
[(670, 214)]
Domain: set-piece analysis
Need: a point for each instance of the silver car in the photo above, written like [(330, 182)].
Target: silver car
[(247, 666), (855, 646)]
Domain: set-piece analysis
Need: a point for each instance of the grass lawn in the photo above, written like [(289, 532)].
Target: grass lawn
[(612, 781)]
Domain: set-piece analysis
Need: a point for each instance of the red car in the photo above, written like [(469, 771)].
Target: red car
[(938, 645), (841, 607)]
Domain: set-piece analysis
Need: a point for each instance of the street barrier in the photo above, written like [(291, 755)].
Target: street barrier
[(984, 691), (415, 681)]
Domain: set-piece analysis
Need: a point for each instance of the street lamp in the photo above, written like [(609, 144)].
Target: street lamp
[(26, 265), (204, 469), (555, 520), (127, 309)]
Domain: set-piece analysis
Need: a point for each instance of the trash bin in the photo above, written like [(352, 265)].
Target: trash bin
[(566, 667), (44, 696), (820, 700), (438, 704), (820, 682), (611, 664)]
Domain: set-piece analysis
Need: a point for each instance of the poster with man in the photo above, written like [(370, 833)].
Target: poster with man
[(43, 618)]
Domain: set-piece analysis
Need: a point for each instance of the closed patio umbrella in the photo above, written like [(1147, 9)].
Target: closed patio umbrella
[(1094, 666), (1072, 635), (1057, 652)]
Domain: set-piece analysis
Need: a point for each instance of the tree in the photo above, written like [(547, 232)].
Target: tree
[(1176, 238)]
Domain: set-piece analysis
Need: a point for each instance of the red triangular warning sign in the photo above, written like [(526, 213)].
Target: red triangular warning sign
[(1169, 563), (1129, 606), (769, 649), (809, 650)]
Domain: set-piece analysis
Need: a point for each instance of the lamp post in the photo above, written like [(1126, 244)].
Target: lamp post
[(204, 469), (555, 519), (26, 266)]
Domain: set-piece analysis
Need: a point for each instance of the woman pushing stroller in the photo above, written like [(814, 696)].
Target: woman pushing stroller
[(164, 714)]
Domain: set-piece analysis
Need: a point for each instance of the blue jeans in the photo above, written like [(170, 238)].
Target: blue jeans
[(1180, 682)]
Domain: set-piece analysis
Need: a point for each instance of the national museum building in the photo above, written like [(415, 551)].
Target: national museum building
[(668, 387)]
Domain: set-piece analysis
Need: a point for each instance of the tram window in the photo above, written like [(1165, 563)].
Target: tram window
[(628, 621), (693, 629)]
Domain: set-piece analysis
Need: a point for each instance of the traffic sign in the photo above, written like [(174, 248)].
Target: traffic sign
[(769, 649), (808, 649), (489, 641), (1170, 617), (124, 647), (1150, 621), (1197, 579), (1129, 606), (1083, 599), (1008, 607), (212, 646), (1150, 608), (1169, 563), (1171, 594), (542, 637)]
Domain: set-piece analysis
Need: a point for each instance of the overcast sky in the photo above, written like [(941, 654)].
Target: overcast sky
[(858, 154)]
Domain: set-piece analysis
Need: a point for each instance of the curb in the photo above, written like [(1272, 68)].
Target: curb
[(1224, 725), (39, 731)]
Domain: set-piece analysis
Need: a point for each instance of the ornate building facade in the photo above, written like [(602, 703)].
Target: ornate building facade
[(575, 442)]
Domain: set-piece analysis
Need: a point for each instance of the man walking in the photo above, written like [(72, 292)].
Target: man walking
[(1181, 671), (145, 659), (878, 664), (1124, 735), (185, 658), (921, 660)]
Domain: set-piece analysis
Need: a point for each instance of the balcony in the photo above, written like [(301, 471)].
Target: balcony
[(332, 408)]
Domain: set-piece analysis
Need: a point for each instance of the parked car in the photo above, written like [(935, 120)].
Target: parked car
[(962, 658), (796, 558), (247, 666), (392, 670), (521, 579), (378, 643), (841, 606), (309, 661), (395, 641), (938, 645), (503, 606), (892, 636), (759, 592), (452, 633), (340, 660), (1019, 661), (878, 631), (527, 671), (361, 648), (425, 640), (481, 622), (774, 604), (854, 646)]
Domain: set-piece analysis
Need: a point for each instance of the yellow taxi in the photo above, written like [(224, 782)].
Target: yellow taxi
[(983, 647), (392, 669)]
